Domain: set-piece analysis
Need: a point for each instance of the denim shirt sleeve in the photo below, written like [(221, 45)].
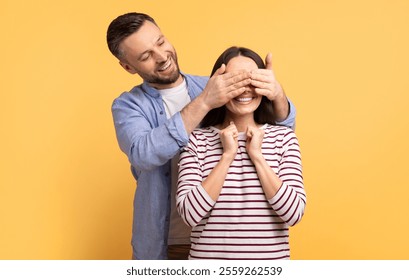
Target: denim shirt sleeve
[(290, 120), (147, 145)]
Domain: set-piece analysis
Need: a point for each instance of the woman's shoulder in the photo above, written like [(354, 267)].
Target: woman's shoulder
[(204, 133), (277, 129), (278, 133)]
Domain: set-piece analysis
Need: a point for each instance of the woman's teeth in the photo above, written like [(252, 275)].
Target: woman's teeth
[(244, 99)]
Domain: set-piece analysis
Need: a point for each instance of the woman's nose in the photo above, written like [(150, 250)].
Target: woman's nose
[(249, 89)]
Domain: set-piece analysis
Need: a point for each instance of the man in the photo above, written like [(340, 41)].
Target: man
[(153, 122)]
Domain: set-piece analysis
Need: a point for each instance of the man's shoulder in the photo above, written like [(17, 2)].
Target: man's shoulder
[(134, 95)]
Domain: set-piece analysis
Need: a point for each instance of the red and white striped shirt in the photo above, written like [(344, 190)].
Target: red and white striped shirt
[(242, 223)]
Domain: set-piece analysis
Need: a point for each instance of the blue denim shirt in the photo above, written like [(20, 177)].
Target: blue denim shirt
[(150, 141)]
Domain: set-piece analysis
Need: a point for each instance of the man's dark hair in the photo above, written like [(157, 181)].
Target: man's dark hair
[(263, 114), (122, 27)]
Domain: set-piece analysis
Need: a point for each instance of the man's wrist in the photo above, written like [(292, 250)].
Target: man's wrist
[(281, 107), (201, 103), (280, 92)]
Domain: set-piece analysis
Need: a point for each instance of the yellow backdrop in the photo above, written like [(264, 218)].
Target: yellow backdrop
[(66, 190)]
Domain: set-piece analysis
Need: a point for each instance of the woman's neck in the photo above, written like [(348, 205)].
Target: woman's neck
[(241, 122)]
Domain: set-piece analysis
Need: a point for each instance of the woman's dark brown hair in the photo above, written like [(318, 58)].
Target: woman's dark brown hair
[(263, 114)]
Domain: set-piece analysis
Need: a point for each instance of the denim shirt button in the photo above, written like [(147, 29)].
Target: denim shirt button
[(161, 112)]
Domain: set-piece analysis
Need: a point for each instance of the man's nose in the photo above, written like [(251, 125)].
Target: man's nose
[(161, 55)]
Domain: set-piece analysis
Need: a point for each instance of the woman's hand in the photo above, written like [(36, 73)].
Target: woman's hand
[(255, 138), (228, 137)]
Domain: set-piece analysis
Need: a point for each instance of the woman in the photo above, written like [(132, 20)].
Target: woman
[(240, 179)]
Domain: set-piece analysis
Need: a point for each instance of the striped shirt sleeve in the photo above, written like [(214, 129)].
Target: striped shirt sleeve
[(193, 202), (290, 200)]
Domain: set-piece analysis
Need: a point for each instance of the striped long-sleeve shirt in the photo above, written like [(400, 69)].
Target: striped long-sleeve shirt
[(242, 223)]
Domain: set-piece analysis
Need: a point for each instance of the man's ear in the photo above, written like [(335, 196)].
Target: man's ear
[(127, 67)]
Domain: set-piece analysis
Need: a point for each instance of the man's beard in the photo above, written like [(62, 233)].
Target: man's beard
[(155, 79), (151, 79)]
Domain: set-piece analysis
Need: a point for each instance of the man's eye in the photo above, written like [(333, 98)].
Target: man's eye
[(145, 57)]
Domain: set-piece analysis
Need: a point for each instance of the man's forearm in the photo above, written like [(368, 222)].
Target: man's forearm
[(193, 113), (281, 107)]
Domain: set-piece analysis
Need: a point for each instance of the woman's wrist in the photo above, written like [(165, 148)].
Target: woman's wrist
[(228, 157), (256, 157)]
